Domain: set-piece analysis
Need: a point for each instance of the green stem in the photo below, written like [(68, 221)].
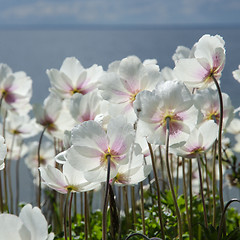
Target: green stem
[(142, 208), (133, 206), (141, 235), (65, 214), (17, 177), (207, 182), (220, 148), (170, 180), (9, 175), (221, 225), (39, 173), (190, 190), (6, 164), (186, 200), (1, 194), (70, 216), (201, 190), (85, 215), (214, 184), (126, 206), (104, 216), (158, 191)]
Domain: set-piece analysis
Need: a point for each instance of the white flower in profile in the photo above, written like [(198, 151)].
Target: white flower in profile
[(207, 101), (124, 80), (22, 126), (133, 172), (92, 147), (3, 152), (73, 78), (30, 225), (200, 140), (88, 107), (68, 180), (15, 90), (234, 126), (208, 60), (236, 74), (47, 154), (170, 100), (236, 147), (54, 116)]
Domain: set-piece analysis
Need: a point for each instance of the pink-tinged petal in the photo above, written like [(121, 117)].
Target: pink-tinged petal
[(99, 174), (182, 99), (54, 178), (131, 71), (74, 177), (206, 46), (147, 105), (59, 81), (191, 72), (90, 134), (124, 109), (112, 88), (72, 68), (81, 162), (209, 131), (121, 135), (35, 222)]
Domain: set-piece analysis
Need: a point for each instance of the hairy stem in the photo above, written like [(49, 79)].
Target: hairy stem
[(70, 216), (142, 208), (220, 148), (186, 200), (104, 216), (201, 189), (158, 191), (65, 215), (171, 182), (39, 173)]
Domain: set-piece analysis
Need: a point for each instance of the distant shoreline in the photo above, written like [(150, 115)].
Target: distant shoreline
[(117, 27)]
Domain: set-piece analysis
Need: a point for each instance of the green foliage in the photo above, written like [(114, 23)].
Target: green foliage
[(152, 224)]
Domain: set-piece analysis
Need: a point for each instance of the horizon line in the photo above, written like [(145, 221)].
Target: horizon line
[(114, 26)]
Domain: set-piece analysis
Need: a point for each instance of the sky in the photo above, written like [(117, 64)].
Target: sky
[(119, 12)]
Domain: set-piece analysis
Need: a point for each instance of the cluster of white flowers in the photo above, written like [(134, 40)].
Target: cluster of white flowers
[(94, 115)]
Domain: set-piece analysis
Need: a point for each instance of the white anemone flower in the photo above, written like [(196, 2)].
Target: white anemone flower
[(92, 147), (124, 80), (30, 225), (208, 60), (133, 172), (200, 140), (170, 100), (15, 90), (54, 116), (68, 180), (236, 74), (3, 152), (236, 147), (22, 126), (73, 78), (234, 126), (47, 154), (207, 101), (88, 107)]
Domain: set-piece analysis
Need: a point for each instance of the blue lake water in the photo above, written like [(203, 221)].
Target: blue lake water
[(34, 51)]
